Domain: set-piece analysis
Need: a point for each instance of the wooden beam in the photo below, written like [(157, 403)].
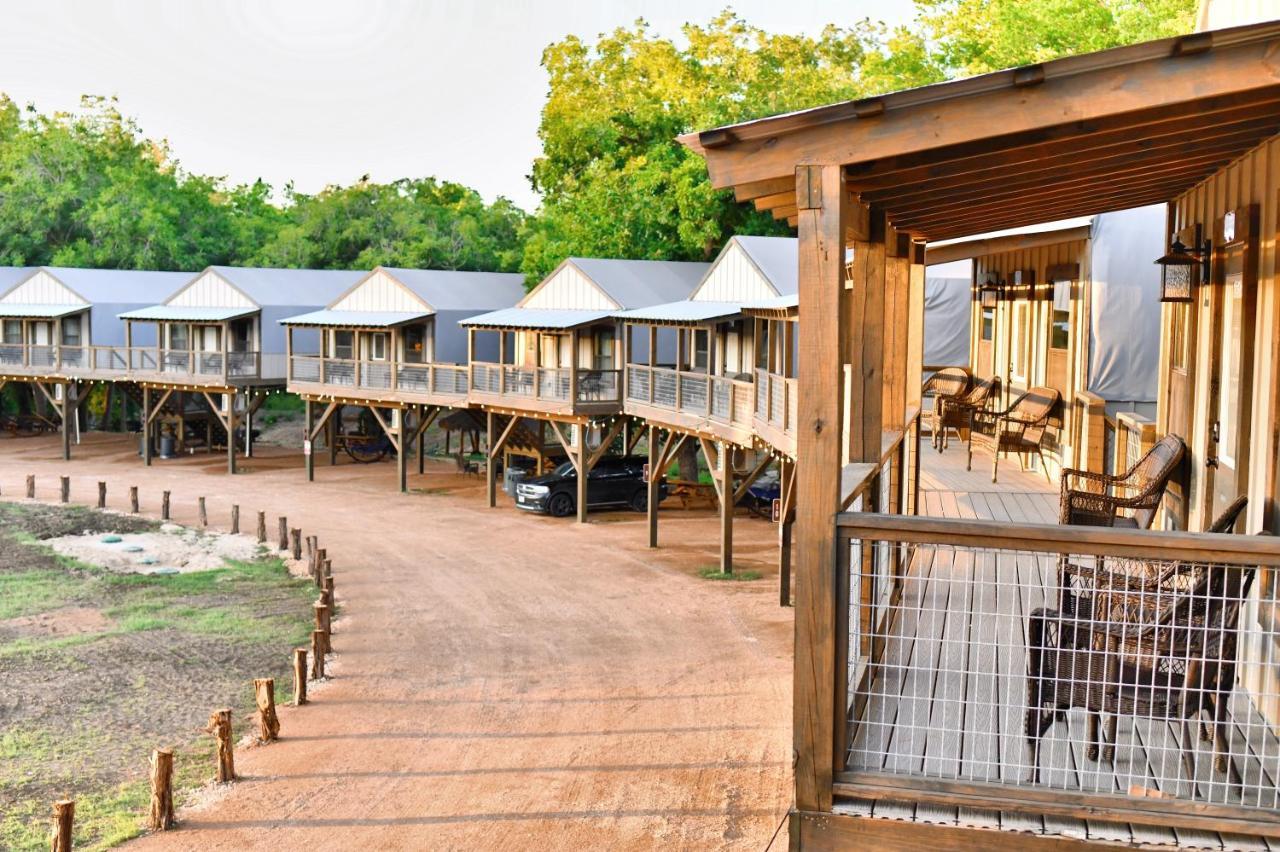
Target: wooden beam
[(741, 490), (749, 191), (605, 443), (997, 245), (496, 447), (159, 406), (713, 463), (822, 226)]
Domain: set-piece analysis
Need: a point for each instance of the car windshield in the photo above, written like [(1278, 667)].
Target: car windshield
[(565, 469)]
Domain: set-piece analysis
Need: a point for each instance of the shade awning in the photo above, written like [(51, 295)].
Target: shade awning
[(686, 311), (549, 319), (1077, 136), (788, 305), (11, 311), (181, 313), (357, 319)]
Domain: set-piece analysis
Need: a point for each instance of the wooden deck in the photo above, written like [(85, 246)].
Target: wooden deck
[(949, 698)]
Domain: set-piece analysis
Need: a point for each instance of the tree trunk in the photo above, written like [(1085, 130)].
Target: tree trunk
[(264, 690), (161, 815), (299, 676), (220, 726), (688, 459)]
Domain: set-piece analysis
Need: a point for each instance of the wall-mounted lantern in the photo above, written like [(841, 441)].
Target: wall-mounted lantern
[(1179, 268), (992, 291)]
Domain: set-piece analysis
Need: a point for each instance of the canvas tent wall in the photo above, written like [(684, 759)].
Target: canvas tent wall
[(947, 299)]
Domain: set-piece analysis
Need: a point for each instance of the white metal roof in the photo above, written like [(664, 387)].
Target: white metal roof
[(361, 319), (285, 287), (637, 283), (536, 318), (180, 313), (13, 311), (683, 311), (777, 258), (777, 303)]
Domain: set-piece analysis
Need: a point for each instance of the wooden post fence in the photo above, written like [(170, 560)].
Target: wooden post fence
[(262, 528), (64, 488), (235, 519), (322, 624), (64, 816), (203, 511), (299, 676), (164, 506), (160, 817), (133, 499), (31, 487), (264, 692), (220, 726), (295, 540), (284, 534), (102, 495), (317, 655)]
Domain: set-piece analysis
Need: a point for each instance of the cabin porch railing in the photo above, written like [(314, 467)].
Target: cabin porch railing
[(553, 384), (717, 398), (89, 361), (1043, 671), (446, 379), (776, 400)]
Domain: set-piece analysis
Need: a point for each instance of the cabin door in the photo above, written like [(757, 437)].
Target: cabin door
[(1231, 369)]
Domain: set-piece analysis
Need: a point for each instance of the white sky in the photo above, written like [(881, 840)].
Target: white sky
[(323, 92)]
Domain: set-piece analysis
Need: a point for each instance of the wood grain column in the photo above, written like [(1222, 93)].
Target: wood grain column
[(822, 219)]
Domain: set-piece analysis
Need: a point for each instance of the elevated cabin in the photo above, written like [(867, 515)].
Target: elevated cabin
[(984, 676), (691, 368), (1075, 309), (391, 342), (59, 328), (219, 337), (559, 352)]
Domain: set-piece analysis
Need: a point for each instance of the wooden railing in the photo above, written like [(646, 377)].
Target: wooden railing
[(776, 400), (553, 384), (1135, 435), (436, 379), (715, 398), (976, 658)]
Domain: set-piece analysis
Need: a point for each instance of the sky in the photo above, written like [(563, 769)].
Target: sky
[(322, 92)]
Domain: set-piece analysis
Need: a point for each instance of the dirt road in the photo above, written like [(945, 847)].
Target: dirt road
[(504, 681)]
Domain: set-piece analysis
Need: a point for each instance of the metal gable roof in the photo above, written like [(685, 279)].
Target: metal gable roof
[(555, 319), (683, 311), (777, 258), (120, 286), (183, 313), (356, 319), (456, 290), (15, 311), (11, 276), (639, 283), (288, 287)]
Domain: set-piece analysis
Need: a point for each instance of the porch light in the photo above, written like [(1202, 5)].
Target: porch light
[(992, 291), (1178, 270)]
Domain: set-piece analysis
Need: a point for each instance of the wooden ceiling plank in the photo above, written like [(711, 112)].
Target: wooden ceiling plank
[(772, 202), (770, 186)]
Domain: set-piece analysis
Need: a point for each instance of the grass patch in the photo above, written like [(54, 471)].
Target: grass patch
[(713, 572)]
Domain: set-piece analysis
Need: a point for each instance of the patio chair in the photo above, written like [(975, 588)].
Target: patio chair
[(1128, 500), (947, 383), (1020, 428), (1167, 657), (956, 412)]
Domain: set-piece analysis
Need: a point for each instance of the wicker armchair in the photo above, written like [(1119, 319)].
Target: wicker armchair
[(1128, 500), (1166, 656), (947, 383), (955, 413), (1018, 429)]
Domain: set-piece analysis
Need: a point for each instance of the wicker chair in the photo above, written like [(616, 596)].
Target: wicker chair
[(1169, 656), (1018, 429), (948, 383), (956, 412), (1128, 500)]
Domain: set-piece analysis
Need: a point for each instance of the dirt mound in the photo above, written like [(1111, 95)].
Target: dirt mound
[(172, 550)]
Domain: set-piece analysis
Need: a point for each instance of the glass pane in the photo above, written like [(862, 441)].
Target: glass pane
[(179, 336), (1229, 399), (12, 331), (71, 331), (988, 323), (1059, 331), (342, 344)]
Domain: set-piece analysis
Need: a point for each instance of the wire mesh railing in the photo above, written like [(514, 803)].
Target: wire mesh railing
[(1067, 667)]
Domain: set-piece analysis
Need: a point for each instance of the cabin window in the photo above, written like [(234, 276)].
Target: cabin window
[(71, 331), (241, 331), (762, 345), (1229, 392), (1178, 336), (988, 324), (604, 349), (378, 346), (1018, 341), (700, 346), (1060, 319), (415, 344), (13, 331), (179, 336), (342, 344)]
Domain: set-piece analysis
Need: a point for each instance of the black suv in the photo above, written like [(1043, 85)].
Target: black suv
[(615, 481)]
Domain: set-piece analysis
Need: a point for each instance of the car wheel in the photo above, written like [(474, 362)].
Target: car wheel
[(560, 506), (640, 500)]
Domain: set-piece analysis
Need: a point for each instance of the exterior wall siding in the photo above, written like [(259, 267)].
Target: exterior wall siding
[(380, 292), (569, 289), (210, 290), (42, 289), (734, 278)]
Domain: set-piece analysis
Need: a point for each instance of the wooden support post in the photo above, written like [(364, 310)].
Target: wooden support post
[(264, 693), (231, 430), (422, 443), (102, 495), (160, 817), (784, 563), (490, 481), (308, 449), (331, 434), (317, 655), (317, 571), (262, 528), (725, 475), (133, 499), (284, 533), (328, 589), (164, 506), (311, 546), (653, 487), (64, 817), (822, 219), (328, 570), (580, 450), (146, 426), (220, 726), (31, 486), (203, 512), (322, 624), (64, 489), (295, 541), (235, 519), (299, 676), (67, 413)]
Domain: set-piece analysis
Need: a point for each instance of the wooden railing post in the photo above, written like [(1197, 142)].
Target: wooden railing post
[(160, 817), (64, 815), (264, 693), (102, 495), (220, 726), (299, 676)]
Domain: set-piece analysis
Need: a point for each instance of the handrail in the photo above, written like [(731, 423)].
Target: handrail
[(858, 477)]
